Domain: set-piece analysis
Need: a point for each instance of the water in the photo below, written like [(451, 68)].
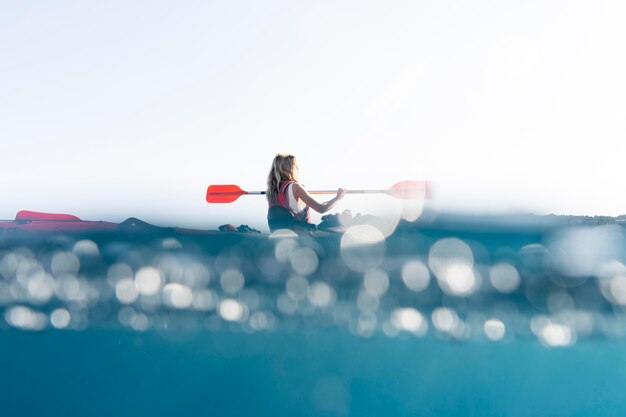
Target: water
[(446, 316), (105, 372)]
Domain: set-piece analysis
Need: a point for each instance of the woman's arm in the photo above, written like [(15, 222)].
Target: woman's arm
[(300, 193)]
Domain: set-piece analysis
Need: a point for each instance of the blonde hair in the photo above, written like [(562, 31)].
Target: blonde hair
[(284, 168)]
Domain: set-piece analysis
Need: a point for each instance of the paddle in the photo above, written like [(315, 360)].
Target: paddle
[(406, 190)]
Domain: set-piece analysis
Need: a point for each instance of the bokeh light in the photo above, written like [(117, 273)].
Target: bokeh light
[(415, 275), (86, 247), (126, 291), (60, 318), (284, 248), (376, 281), (304, 260), (410, 320), (177, 295), (231, 310), (148, 281), (494, 329), (504, 277), (445, 319), (321, 294), (452, 262), (40, 287), (25, 318), (367, 302), (362, 247), (204, 300), (65, 263), (297, 287), (232, 281), (286, 304)]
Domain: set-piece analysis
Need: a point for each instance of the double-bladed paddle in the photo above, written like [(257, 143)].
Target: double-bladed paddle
[(406, 190)]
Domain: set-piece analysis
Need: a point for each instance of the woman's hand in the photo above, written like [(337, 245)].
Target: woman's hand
[(340, 193)]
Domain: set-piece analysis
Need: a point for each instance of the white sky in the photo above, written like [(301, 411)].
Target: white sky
[(116, 109)]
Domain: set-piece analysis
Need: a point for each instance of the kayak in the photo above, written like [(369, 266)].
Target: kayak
[(34, 221), (41, 222), (54, 222)]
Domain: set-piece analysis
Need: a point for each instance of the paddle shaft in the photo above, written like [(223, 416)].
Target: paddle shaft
[(310, 192)]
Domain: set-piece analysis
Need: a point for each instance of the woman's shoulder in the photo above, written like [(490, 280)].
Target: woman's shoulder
[(292, 186), (298, 189)]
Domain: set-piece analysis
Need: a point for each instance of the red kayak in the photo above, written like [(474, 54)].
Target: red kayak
[(34, 221), (53, 222)]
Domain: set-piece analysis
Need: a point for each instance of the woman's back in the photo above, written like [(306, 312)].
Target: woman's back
[(287, 197)]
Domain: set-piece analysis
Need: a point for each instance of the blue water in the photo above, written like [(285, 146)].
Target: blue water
[(106, 372), (447, 316)]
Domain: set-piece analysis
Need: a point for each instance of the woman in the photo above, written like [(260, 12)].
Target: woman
[(289, 202)]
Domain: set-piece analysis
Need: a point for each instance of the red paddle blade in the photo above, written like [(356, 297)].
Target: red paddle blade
[(410, 190), (223, 193)]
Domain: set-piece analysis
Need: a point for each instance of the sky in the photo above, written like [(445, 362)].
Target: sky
[(117, 109)]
